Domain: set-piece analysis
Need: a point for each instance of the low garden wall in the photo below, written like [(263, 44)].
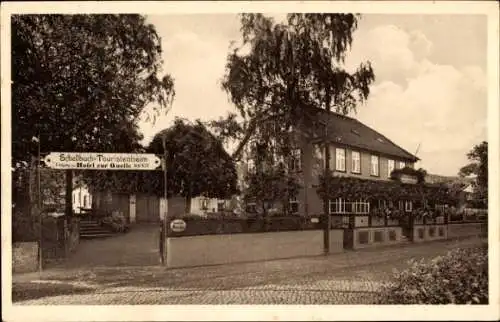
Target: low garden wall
[(216, 240), (24, 257), (457, 230), (429, 232), (192, 251), (374, 237)]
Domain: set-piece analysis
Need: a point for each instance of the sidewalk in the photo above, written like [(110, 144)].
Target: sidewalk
[(349, 277)]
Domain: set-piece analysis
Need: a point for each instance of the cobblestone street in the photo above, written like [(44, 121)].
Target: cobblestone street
[(347, 278)]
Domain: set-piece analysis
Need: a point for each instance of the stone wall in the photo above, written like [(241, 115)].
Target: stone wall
[(374, 237), (422, 233)]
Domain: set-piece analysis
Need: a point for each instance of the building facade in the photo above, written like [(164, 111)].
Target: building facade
[(355, 149)]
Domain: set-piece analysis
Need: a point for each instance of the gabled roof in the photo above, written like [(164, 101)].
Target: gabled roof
[(351, 132)]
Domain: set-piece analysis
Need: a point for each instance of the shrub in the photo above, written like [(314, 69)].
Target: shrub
[(116, 222), (460, 277), (23, 227)]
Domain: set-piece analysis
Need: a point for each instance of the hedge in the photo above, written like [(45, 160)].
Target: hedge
[(460, 277), (209, 226)]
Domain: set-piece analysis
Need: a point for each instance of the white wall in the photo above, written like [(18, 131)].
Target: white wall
[(81, 198), (196, 205)]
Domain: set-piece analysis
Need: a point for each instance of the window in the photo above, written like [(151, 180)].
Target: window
[(337, 206), (295, 160), (203, 203), (408, 206), (401, 164), (85, 201), (340, 159), (220, 205), (294, 205), (374, 165), (340, 206), (361, 207), (356, 162), (390, 167)]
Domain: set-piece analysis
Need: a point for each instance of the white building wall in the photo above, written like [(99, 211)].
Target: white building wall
[(81, 199)]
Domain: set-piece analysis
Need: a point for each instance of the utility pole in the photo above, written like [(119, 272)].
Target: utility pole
[(164, 234), (326, 201), (36, 139)]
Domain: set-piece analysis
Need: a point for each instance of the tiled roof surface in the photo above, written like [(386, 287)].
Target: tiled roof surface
[(349, 131)]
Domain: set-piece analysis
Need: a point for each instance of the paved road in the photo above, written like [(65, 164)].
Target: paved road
[(346, 278)]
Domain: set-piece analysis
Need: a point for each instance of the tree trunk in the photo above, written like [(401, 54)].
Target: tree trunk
[(187, 208), (69, 195), (326, 202)]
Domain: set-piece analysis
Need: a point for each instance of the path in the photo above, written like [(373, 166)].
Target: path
[(138, 247), (346, 278)]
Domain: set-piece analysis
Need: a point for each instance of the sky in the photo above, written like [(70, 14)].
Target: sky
[(430, 88)]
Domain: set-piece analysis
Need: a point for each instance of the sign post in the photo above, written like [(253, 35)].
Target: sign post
[(102, 161), (164, 234)]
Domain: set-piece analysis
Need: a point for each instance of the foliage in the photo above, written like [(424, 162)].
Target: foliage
[(227, 128), (291, 66), (270, 186), (197, 164), (460, 277), (24, 228), (358, 189), (116, 221), (478, 167), (82, 81)]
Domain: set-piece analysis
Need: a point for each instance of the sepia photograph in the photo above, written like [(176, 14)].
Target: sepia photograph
[(249, 157)]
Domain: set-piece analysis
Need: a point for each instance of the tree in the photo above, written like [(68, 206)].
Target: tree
[(197, 163), (80, 83), (291, 66), (269, 185), (478, 167)]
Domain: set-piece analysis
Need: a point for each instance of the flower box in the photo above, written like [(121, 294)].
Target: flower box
[(392, 222)]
